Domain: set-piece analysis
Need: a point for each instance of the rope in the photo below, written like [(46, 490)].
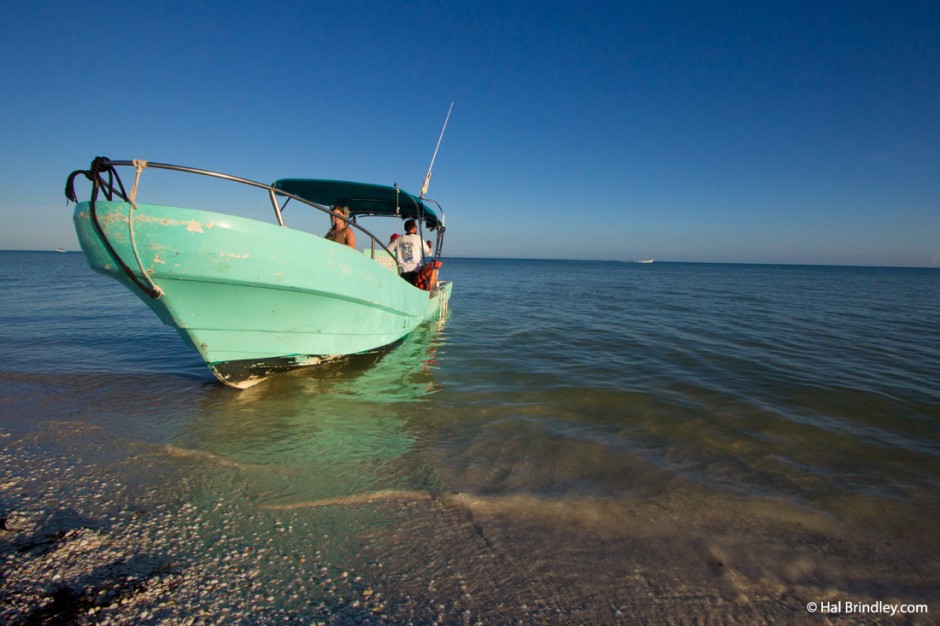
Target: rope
[(155, 292), (100, 167), (140, 166)]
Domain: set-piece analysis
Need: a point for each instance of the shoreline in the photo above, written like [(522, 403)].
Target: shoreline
[(97, 530)]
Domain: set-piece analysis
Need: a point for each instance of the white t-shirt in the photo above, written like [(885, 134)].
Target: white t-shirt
[(410, 251)]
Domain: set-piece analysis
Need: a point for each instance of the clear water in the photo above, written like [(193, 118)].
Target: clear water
[(578, 441)]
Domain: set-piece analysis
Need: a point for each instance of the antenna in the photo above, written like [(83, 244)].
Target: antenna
[(427, 179)]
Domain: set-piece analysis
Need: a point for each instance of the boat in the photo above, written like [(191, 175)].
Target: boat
[(255, 297), (645, 261)]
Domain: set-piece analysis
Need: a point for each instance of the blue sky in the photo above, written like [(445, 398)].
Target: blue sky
[(786, 132)]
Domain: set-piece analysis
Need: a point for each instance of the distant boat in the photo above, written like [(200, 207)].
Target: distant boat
[(645, 261), (60, 249), (257, 298)]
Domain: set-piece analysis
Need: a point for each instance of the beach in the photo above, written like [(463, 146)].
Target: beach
[(97, 530)]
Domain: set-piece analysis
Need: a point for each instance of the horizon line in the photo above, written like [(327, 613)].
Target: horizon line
[(625, 261)]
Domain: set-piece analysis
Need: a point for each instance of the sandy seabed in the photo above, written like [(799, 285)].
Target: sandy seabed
[(96, 530)]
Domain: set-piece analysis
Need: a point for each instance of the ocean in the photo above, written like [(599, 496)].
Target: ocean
[(578, 442)]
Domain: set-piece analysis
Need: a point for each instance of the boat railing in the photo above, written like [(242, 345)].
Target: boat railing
[(105, 178)]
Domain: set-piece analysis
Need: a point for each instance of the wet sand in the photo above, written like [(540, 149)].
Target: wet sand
[(99, 530)]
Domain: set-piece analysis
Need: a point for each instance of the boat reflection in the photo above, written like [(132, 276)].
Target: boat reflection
[(330, 431), (402, 373)]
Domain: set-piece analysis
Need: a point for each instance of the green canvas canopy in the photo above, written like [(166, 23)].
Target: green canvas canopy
[(361, 198)]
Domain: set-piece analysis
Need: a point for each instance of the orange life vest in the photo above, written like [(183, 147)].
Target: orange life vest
[(427, 276)]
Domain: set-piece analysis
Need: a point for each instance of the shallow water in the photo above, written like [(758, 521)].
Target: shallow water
[(588, 441)]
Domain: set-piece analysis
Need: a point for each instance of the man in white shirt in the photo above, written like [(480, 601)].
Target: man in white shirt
[(410, 251)]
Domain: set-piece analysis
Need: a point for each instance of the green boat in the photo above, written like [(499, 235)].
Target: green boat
[(256, 298)]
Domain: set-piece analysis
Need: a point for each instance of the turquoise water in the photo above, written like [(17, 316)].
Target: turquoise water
[(587, 425)]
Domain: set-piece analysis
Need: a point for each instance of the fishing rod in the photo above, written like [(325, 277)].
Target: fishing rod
[(427, 179)]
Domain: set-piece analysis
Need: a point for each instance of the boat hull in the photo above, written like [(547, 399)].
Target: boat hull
[(253, 298)]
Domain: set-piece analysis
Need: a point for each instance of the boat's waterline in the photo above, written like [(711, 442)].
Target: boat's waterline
[(254, 298)]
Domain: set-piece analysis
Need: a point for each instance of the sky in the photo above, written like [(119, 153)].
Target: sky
[(746, 132)]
